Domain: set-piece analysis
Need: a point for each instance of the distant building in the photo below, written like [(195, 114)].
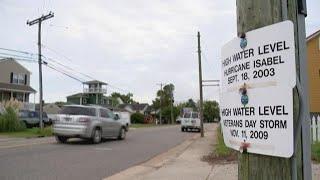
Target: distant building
[(133, 108), (15, 82), (313, 54), (93, 93)]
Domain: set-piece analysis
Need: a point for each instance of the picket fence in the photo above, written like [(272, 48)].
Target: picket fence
[(315, 129)]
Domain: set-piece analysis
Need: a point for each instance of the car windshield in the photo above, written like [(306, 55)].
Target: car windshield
[(187, 115), (195, 115), (70, 110)]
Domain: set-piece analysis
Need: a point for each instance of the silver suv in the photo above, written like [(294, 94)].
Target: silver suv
[(87, 122)]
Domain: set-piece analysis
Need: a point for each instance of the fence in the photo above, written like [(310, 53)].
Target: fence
[(315, 129)]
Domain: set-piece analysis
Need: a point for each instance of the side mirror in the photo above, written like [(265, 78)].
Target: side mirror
[(116, 117)]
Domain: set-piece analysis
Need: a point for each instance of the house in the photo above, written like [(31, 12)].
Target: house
[(93, 93), (15, 82), (133, 108), (313, 55)]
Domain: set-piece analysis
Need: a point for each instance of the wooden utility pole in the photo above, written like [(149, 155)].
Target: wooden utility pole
[(200, 87), (30, 23), (160, 84), (253, 14)]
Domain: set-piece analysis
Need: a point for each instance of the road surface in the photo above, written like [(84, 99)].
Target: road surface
[(81, 160)]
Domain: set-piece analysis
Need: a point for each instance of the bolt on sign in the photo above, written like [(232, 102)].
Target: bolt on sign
[(256, 98)]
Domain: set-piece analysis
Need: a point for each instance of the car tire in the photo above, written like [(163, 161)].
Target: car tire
[(61, 139), (26, 124), (122, 134), (96, 136), (182, 129)]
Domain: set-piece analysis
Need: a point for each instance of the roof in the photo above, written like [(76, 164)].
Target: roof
[(134, 107), (77, 95), (16, 87), (315, 34), (13, 61), (95, 82)]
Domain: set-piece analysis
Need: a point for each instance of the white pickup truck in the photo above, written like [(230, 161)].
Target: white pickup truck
[(190, 121)]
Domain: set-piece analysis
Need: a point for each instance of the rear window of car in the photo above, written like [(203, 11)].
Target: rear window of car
[(187, 115), (78, 111)]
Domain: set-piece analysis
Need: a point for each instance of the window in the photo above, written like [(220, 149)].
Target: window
[(187, 115), (73, 110), (195, 115), (18, 78), (104, 113)]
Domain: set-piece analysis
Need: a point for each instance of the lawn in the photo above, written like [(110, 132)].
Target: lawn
[(145, 125), (220, 149), (30, 133), (315, 152)]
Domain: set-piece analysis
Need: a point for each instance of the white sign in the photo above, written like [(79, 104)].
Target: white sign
[(256, 100)]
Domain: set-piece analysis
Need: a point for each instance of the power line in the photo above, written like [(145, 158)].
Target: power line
[(56, 52), (68, 67), (13, 50), (49, 66), (18, 56)]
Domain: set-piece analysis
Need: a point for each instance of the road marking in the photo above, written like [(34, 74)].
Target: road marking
[(103, 149)]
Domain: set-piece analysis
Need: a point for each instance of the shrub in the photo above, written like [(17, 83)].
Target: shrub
[(9, 121), (315, 152), (137, 118)]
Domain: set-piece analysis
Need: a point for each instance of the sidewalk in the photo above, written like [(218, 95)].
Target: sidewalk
[(184, 162)]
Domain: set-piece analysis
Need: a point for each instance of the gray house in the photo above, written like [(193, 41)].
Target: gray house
[(14, 81)]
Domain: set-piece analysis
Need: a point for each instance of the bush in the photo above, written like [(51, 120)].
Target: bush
[(9, 121), (137, 118)]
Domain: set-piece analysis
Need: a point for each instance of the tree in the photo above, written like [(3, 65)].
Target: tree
[(210, 111), (167, 98), (125, 98)]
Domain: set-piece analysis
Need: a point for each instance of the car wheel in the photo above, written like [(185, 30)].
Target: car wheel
[(182, 129), (61, 139), (26, 124), (122, 134), (96, 137)]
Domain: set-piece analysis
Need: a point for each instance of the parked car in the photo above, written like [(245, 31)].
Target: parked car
[(190, 121), (124, 118), (87, 122), (31, 118)]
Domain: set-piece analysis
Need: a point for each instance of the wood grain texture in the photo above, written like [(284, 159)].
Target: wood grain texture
[(253, 14)]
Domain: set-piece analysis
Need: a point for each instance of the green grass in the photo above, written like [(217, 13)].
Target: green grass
[(29, 133), (144, 125), (315, 152), (220, 149)]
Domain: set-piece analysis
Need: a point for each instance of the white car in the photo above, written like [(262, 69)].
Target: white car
[(190, 121)]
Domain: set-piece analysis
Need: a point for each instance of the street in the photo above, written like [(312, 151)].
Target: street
[(81, 160)]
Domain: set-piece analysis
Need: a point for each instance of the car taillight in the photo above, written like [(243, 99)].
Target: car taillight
[(83, 120)]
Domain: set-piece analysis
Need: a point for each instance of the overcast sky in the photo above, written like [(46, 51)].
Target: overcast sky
[(132, 45)]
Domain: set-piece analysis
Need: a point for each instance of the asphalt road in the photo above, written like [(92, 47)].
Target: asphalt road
[(81, 160)]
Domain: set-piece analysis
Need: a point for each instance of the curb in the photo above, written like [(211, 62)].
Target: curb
[(155, 162)]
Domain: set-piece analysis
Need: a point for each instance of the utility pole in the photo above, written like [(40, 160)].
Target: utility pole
[(171, 97), (30, 23), (200, 87), (161, 84), (253, 14)]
